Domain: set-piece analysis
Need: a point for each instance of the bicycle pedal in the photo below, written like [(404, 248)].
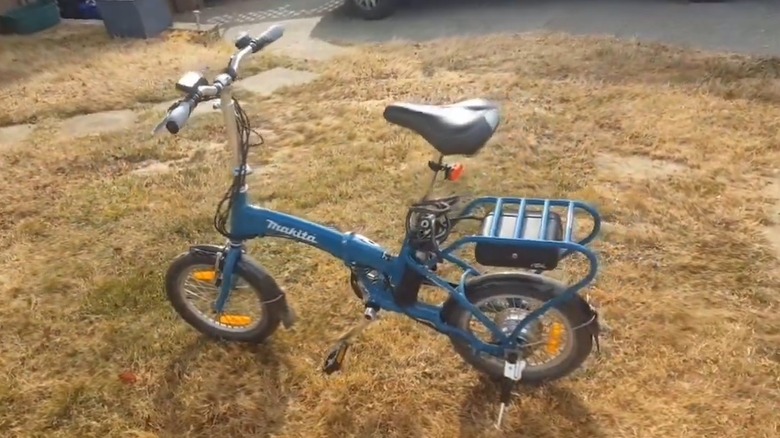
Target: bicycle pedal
[(335, 358)]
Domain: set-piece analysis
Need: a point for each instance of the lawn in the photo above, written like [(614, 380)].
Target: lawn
[(678, 149), (80, 69)]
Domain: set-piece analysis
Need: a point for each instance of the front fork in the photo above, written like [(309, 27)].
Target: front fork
[(227, 258), (226, 265)]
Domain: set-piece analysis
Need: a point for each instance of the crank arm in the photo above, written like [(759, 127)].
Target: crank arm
[(338, 352), (354, 332)]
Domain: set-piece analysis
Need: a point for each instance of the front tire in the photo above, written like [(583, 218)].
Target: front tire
[(372, 9), (250, 274), (574, 314)]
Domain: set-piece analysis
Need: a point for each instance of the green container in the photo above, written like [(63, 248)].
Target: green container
[(30, 18)]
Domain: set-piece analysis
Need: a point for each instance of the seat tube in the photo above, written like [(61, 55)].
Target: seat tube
[(231, 125)]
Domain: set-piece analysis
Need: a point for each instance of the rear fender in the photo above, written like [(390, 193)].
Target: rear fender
[(585, 307)]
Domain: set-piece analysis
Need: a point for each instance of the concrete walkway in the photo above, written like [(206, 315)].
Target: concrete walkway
[(751, 26)]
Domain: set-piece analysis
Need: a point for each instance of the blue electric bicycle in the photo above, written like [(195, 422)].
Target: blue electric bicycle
[(514, 325)]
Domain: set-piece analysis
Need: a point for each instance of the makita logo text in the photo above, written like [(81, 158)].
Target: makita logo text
[(292, 232)]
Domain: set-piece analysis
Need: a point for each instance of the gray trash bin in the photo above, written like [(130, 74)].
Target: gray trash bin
[(135, 18)]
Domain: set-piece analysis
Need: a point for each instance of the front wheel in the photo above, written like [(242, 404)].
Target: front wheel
[(248, 316), (557, 344), (372, 9)]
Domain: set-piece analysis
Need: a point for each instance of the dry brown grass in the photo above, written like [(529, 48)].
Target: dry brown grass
[(689, 283), (76, 69)]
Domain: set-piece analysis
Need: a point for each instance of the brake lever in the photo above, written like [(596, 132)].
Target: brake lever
[(160, 126)]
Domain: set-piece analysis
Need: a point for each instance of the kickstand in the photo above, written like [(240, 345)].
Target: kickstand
[(338, 352), (513, 371)]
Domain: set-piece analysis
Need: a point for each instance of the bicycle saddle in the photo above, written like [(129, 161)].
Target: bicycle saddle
[(461, 128)]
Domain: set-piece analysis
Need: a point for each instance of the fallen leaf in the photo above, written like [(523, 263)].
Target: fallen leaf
[(128, 377)]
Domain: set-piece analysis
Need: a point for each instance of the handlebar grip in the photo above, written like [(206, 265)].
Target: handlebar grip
[(269, 36), (178, 116)]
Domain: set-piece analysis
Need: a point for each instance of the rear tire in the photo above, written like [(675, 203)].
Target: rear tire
[(252, 275), (535, 288), (371, 9)]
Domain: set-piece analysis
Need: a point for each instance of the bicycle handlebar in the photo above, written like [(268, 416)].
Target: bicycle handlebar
[(178, 115), (271, 34)]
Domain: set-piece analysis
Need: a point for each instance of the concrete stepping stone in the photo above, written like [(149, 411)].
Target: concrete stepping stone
[(151, 167), (98, 123), (269, 81), (15, 134)]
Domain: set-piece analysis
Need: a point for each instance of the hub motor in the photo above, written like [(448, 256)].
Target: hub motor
[(508, 319)]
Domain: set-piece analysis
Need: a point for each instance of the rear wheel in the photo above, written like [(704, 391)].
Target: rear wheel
[(372, 9), (191, 289), (558, 343)]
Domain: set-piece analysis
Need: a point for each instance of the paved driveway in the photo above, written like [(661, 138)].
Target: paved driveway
[(736, 25)]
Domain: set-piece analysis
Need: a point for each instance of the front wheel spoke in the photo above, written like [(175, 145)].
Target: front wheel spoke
[(201, 296), (191, 293)]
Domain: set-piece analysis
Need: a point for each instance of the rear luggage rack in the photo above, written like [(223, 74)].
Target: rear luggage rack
[(531, 235)]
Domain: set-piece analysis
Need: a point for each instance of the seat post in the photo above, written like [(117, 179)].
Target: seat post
[(433, 166)]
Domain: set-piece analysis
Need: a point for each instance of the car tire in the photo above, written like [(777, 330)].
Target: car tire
[(372, 9)]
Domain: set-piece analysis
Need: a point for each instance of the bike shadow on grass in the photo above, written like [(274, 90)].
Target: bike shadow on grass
[(560, 406), (168, 399)]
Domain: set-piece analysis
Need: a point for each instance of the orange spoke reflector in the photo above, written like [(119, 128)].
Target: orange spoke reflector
[(208, 276), (456, 171), (235, 320), (554, 341)]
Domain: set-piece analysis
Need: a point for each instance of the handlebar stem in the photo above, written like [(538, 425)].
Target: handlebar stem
[(209, 90), (231, 124), (223, 87)]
